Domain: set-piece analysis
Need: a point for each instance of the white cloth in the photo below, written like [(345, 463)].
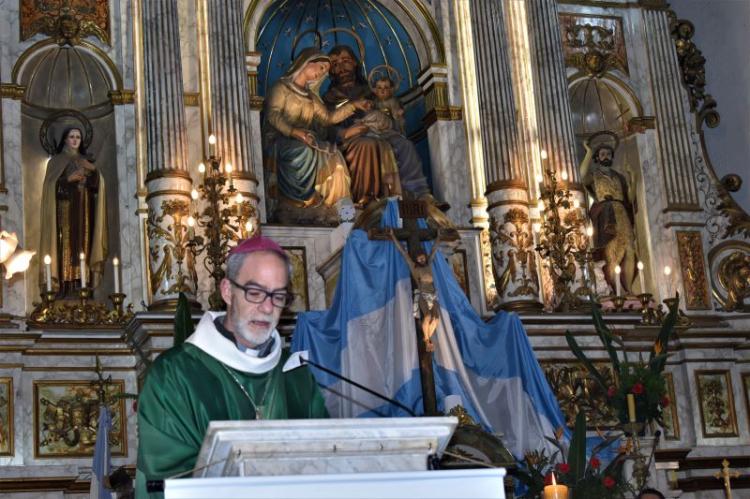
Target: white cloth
[(210, 340)]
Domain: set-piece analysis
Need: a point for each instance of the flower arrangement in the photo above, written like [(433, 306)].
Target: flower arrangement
[(586, 478), (638, 391)]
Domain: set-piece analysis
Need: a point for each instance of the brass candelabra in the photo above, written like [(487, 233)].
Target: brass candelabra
[(563, 244), (226, 217), (84, 312)]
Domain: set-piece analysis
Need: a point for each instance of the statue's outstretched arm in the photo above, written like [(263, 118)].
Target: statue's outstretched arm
[(586, 163)]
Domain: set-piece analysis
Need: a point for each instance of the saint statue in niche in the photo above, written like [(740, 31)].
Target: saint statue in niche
[(613, 211), (73, 214), (305, 169)]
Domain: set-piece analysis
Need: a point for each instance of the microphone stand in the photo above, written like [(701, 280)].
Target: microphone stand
[(303, 360)]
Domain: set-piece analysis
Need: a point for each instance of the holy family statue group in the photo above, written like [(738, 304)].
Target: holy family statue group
[(347, 143)]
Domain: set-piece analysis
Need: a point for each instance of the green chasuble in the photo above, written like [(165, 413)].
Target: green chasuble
[(186, 388)]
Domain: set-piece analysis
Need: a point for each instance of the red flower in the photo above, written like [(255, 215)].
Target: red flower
[(611, 392), (563, 467), (595, 463), (608, 482), (637, 389), (665, 401)]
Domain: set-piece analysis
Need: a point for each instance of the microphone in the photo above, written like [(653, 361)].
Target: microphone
[(298, 359)]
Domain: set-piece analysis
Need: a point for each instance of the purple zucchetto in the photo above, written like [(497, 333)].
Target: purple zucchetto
[(258, 243)]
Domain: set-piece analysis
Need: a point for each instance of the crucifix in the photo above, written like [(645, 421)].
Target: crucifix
[(726, 475), (427, 313)]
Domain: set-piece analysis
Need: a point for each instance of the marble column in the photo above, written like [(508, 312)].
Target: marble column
[(230, 118), (171, 269), (671, 108), (554, 119), (507, 188)]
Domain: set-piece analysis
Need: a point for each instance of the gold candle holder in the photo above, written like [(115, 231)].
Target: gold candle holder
[(619, 303), (648, 314), (117, 301)]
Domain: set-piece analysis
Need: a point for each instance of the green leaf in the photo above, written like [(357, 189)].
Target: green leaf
[(606, 337), (665, 333), (573, 344), (183, 321), (577, 451)]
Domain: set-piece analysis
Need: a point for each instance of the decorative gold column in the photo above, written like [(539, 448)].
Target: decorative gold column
[(171, 270), (513, 255)]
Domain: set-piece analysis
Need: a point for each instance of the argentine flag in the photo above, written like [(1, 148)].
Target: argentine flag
[(100, 468), (369, 335)]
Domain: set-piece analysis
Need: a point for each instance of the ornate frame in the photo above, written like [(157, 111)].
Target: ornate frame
[(673, 410), (730, 400), (301, 252), (120, 388), (8, 381)]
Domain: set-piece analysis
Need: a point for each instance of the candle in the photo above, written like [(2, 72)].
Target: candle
[(631, 407), (202, 168), (194, 194), (212, 145), (83, 269), (667, 273), (555, 491), (48, 271), (564, 175), (191, 225), (641, 280), (618, 270), (239, 198), (116, 264), (590, 234)]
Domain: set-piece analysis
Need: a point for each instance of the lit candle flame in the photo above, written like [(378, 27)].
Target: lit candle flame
[(640, 265), (228, 168), (202, 168), (191, 221), (212, 139), (47, 259), (618, 269), (239, 198), (543, 154), (564, 175), (194, 194), (667, 270)]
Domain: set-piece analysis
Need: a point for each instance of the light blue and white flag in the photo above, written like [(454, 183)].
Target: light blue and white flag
[(369, 335), (101, 467)]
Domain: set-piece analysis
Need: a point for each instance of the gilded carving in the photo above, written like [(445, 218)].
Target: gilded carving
[(575, 391), (690, 248), (692, 64), (176, 252), (66, 417), (515, 242), (593, 44), (734, 277), (67, 21), (490, 291)]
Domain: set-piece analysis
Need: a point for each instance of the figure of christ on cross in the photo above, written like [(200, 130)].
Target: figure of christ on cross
[(427, 313)]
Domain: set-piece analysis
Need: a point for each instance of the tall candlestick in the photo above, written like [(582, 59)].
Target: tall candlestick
[(48, 271), (618, 270), (555, 491), (631, 407), (83, 269), (641, 280), (116, 265)]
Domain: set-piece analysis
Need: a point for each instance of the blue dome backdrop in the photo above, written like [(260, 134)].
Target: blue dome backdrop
[(290, 25)]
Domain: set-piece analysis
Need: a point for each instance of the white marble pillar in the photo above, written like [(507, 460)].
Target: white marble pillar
[(507, 188), (554, 119), (230, 118), (671, 108), (168, 182)]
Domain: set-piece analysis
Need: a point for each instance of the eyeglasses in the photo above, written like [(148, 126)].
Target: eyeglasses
[(254, 294)]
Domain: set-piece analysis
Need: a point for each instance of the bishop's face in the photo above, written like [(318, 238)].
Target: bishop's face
[(253, 323)]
